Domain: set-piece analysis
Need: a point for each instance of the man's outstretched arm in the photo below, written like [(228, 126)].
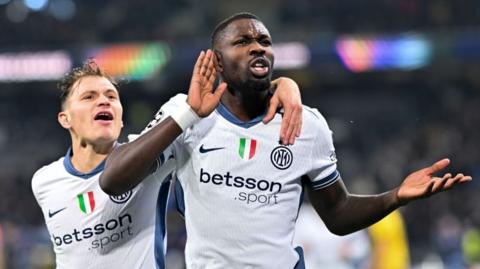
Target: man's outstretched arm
[(344, 213), (130, 163)]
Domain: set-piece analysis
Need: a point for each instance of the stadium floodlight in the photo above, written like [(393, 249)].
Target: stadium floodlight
[(291, 55), (135, 61), (403, 52), (31, 66)]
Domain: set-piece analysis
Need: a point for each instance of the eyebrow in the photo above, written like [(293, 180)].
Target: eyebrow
[(95, 91), (112, 90), (249, 36)]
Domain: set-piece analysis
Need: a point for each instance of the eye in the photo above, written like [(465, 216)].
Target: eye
[(112, 97), (242, 41), (87, 97), (266, 42)]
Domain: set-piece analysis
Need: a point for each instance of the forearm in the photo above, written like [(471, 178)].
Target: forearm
[(360, 211), (130, 163), (345, 213)]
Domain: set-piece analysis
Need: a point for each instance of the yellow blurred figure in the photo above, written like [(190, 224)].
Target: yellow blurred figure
[(389, 243)]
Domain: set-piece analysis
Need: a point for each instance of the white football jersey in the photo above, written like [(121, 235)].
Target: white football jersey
[(240, 190), (90, 229)]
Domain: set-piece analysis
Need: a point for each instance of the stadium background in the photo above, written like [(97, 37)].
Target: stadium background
[(397, 80)]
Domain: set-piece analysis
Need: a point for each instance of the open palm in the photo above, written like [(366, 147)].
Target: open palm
[(201, 96), (423, 183)]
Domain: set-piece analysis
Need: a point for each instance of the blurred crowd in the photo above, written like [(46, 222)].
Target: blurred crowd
[(385, 125), (113, 21)]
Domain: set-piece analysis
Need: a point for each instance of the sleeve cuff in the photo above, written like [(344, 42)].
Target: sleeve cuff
[(326, 181)]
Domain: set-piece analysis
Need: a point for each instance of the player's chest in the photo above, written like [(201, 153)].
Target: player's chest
[(248, 154), (74, 203)]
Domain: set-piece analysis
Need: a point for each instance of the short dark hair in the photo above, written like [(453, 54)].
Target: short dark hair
[(89, 68), (226, 22)]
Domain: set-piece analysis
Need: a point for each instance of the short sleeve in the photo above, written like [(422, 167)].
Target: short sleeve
[(167, 156), (323, 171), (166, 110)]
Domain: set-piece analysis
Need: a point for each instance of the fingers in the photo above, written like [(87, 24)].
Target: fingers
[(438, 166), (439, 183), (298, 130), (287, 118), (210, 79), (291, 122), (219, 91), (290, 132), (295, 124), (447, 182), (272, 109), (459, 178), (198, 64), (210, 100), (208, 65), (205, 71), (196, 82)]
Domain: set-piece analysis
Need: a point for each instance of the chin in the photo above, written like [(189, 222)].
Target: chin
[(107, 137), (259, 84)]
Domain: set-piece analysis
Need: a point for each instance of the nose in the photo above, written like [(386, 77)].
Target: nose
[(256, 49), (103, 100)]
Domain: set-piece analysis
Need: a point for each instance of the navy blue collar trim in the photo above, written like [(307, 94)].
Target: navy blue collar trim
[(224, 112), (67, 162)]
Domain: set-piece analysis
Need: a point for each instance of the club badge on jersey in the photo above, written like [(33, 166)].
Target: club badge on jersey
[(281, 157)]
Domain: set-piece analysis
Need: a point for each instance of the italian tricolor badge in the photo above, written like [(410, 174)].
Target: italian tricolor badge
[(86, 201), (247, 147)]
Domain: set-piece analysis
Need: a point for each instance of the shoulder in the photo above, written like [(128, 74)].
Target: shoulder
[(165, 110), (42, 175), (313, 120), (175, 101)]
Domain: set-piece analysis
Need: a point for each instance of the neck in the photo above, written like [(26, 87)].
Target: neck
[(88, 156), (246, 105)]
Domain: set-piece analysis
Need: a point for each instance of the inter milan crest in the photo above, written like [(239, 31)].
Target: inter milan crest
[(281, 157), (122, 198)]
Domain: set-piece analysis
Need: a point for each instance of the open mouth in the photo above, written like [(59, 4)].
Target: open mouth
[(260, 67), (103, 116)]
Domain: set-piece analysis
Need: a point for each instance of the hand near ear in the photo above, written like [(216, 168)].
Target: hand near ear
[(201, 96)]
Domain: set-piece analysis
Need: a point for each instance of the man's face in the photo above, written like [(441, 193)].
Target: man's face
[(92, 111), (246, 55)]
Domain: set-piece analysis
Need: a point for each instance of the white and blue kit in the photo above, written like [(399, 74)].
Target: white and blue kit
[(240, 190), (90, 229)]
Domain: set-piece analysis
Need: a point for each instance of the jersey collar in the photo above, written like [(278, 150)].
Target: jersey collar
[(67, 162), (224, 112)]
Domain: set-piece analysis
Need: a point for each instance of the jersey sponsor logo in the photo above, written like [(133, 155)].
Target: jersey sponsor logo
[(86, 202), (101, 235), (261, 191), (281, 157), (122, 198), (247, 148), (51, 214), (205, 150)]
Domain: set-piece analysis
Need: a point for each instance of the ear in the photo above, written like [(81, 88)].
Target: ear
[(217, 61), (64, 119)]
